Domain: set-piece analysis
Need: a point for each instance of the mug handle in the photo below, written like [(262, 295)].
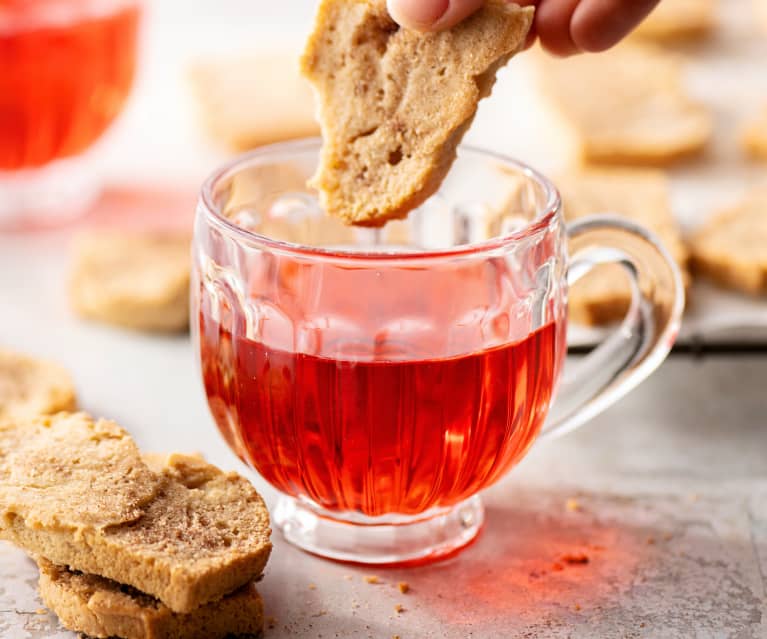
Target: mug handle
[(647, 333)]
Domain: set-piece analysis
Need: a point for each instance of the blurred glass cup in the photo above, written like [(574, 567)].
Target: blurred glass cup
[(66, 70)]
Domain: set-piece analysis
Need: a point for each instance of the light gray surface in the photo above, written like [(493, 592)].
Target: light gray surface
[(672, 483)]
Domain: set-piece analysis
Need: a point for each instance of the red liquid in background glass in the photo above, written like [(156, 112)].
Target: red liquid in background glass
[(379, 437), (62, 83)]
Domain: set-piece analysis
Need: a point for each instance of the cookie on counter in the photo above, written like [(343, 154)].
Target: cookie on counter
[(626, 106), (673, 20), (731, 248), (755, 137), (76, 491), (395, 103), (640, 195), (249, 101), (133, 280), (101, 607), (30, 387)]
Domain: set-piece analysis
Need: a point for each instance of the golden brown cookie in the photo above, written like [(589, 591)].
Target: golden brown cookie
[(755, 137), (76, 492), (249, 101), (394, 103), (640, 195), (133, 280), (626, 106), (31, 387), (69, 471), (731, 248), (103, 608), (679, 19)]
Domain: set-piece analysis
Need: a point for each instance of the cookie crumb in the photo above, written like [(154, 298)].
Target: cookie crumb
[(348, 577), (556, 566), (573, 505), (372, 579), (650, 541), (404, 587), (399, 608), (577, 607), (312, 587), (575, 558)]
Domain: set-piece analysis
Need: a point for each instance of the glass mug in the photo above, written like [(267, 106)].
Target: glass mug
[(381, 378), (66, 69)]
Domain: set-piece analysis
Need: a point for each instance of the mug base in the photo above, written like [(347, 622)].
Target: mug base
[(420, 539)]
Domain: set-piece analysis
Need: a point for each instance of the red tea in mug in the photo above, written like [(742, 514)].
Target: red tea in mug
[(382, 430)]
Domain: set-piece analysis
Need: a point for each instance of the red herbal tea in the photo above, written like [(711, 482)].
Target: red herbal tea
[(378, 436), (66, 68)]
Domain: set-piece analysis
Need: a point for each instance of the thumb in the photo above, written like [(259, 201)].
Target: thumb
[(431, 15)]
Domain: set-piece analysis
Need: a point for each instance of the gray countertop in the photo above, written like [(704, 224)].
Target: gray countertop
[(671, 484)]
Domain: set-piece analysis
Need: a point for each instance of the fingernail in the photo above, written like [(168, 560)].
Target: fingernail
[(417, 13)]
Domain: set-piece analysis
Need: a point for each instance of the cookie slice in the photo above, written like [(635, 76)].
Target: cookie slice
[(182, 531), (679, 19), (626, 106), (395, 103), (731, 248), (103, 608), (755, 137), (248, 101), (71, 472), (31, 387), (133, 280), (640, 195)]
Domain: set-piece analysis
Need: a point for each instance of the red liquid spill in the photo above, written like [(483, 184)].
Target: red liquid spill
[(62, 84), (379, 437)]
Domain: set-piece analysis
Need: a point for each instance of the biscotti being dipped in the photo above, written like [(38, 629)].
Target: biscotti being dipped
[(394, 103), (181, 531)]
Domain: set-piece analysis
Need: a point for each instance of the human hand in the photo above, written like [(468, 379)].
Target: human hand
[(564, 27)]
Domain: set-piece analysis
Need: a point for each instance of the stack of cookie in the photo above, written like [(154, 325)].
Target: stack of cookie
[(132, 545)]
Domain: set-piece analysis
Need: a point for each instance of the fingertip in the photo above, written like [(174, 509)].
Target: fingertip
[(598, 26), (431, 15), (552, 25), (420, 15)]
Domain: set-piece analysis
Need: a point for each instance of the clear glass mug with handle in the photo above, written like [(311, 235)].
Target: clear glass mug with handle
[(381, 378)]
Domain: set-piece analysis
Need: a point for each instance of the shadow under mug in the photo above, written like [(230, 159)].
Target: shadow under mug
[(381, 378)]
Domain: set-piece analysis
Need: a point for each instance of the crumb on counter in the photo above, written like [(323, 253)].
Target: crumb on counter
[(312, 587), (372, 579), (576, 558), (399, 608), (404, 587), (573, 505), (556, 566), (348, 577), (577, 607), (651, 541)]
